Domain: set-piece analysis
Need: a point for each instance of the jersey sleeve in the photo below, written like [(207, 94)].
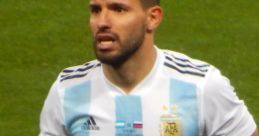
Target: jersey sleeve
[(224, 113), (51, 115)]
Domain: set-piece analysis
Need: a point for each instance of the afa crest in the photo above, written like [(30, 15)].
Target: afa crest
[(170, 124)]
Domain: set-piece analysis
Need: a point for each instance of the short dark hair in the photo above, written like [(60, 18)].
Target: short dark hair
[(149, 3)]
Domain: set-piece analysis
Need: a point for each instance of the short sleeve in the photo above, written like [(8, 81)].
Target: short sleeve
[(51, 117), (224, 113)]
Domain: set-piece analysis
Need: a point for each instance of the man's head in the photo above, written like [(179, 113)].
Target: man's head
[(121, 27)]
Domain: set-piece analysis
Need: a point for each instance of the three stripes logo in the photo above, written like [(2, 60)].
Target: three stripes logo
[(90, 124)]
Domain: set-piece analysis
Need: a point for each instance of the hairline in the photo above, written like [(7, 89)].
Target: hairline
[(149, 3)]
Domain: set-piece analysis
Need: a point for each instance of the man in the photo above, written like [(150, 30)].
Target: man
[(136, 89)]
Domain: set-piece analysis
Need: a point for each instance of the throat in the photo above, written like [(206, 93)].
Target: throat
[(129, 75), (125, 79)]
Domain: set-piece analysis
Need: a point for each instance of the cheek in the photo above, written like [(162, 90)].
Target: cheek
[(134, 21), (130, 26), (92, 25)]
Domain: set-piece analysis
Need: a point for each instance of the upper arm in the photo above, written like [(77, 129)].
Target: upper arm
[(255, 133), (225, 113), (51, 117)]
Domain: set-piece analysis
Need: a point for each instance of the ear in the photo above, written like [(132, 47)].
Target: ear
[(155, 15)]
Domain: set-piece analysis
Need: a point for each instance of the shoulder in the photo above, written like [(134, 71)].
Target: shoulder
[(223, 110), (79, 72), (189, 68), (183, 66)]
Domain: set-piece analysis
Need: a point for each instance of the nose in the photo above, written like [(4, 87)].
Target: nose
[(104, 21)]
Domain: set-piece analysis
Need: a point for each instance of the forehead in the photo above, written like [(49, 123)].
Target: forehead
[(126, 2)]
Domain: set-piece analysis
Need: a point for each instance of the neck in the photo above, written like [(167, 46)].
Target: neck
[(134, 70)]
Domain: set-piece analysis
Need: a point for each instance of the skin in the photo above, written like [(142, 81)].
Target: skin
[(255, 133), (123, 32)]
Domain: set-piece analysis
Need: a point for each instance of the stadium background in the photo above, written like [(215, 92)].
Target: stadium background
[(38, 38)]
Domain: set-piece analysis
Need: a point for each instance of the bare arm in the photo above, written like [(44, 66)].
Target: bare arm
[(255, 133)]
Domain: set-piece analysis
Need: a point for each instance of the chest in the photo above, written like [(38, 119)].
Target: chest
[(168, 109)]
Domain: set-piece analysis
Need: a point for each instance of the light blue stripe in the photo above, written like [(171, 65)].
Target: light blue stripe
[(184, 95), (76, 108), (128, 110)]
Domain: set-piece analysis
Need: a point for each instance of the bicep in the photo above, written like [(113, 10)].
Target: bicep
[(51, 117), (255, 133), (225, 113)]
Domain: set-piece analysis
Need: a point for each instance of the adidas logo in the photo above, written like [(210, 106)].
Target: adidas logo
[(90, 124)]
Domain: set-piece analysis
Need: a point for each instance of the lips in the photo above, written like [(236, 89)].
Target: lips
[(105, 41)]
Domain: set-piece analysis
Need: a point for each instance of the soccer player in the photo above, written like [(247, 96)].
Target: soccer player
[(136, 89)]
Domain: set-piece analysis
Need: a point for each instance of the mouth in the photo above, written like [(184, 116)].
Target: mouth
[(105, 41)]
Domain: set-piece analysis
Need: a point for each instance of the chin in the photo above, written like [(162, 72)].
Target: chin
[(112, 60)]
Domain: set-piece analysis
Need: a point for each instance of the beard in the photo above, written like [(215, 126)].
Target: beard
[(127, 48)]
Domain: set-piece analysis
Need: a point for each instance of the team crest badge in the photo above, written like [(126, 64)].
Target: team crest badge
[(170, 123)]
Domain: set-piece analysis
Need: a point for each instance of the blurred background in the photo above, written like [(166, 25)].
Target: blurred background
[(38, 38)]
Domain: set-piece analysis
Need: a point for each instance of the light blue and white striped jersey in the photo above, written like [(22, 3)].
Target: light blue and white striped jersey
[(180, 96)]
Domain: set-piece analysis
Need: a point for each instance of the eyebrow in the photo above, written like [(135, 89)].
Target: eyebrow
[(110, 5), (118, 4), (93, 5)]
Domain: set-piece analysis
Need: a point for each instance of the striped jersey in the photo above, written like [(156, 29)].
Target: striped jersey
[(181, 96)]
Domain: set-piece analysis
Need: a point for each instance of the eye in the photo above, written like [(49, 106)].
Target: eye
[(95, 9), (119, 8)]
